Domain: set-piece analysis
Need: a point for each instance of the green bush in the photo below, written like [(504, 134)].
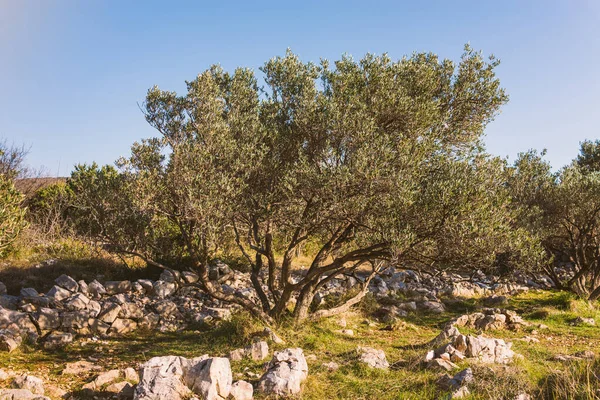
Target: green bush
[(48, 209), (12, 215)]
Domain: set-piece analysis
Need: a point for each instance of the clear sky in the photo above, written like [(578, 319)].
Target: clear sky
[(72, 72)]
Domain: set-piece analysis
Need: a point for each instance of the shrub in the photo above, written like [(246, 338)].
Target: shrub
[(12, 215), (48, 209)]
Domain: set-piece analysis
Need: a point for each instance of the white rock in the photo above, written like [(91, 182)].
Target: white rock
[(164, 289), (122, 326), (110, 313), (162, 378), (47, 319), (96, 289), (116, 287), (29, 382), (372, 357), (242, 390), (131, 375), (66, 282), (83, 287), (259, 350), (58, 294), (20, 394), (285, 373), (77, 302), (211, 378)]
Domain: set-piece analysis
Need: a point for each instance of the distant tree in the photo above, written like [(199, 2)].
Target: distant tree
[(563, 210), (12, 160), (588, 159), (101, 207), (373, 160)]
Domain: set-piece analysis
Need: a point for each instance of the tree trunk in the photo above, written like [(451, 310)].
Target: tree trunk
[(305, 299)]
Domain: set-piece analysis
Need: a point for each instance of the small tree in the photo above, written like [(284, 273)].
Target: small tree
[(563, 211), (373, 160), (12, 161)]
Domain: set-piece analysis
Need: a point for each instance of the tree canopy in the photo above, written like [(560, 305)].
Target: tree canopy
[(373, 160)]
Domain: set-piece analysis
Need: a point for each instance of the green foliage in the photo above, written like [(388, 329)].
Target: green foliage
[(48, 209), (563, 211), (103, 208), (12, 215), (588, 159), (364, 160)]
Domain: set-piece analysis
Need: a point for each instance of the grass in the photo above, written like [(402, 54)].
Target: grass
[(537, 373), (37, 266), (403, 342)]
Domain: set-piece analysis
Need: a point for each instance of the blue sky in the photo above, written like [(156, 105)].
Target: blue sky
[(73, 72)]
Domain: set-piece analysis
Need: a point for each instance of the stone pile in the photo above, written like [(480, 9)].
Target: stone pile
[(119, 382), (170, 377), (114, 308), (442, 283), (24, 387), (491, 319), (458, 347)]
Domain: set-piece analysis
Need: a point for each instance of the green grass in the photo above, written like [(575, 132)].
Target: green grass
[(403, 342)]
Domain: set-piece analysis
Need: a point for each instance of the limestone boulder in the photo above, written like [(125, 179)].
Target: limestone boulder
[(10, 340), (131, 311), (117, 287), (57, 339), (20, 394), (372, 357), (162, 378), (242, 390), (96, 289), (47, 319), (109, 313), (58, 294), (211, 378), (285, 373), (66, 282), (77, 302), (162, 289), (29, 382), (28, 292), (259, 350), (122, 326)]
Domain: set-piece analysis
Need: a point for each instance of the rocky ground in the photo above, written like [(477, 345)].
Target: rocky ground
[(415, 336)]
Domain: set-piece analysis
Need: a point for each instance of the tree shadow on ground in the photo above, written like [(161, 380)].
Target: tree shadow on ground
[(41, 276)]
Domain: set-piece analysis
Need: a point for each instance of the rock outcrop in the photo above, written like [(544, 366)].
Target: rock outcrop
[(285, 373), (177, 378)]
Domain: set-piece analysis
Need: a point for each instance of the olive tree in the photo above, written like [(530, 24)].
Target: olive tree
[(374, 160), (563, 210)]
